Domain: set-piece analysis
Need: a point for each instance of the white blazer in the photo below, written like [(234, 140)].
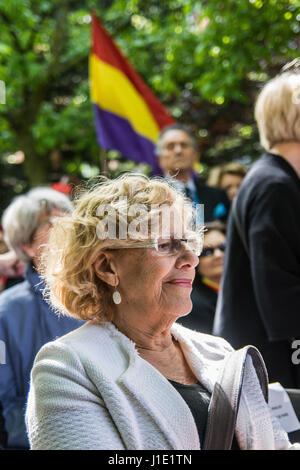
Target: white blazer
[(90, 389)]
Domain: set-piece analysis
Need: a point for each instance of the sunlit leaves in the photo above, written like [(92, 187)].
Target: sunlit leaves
[(204, 59)]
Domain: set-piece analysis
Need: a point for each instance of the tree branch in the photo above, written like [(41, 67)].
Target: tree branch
[(14, 36)]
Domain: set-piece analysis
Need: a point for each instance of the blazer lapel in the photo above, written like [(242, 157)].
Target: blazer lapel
[(159, 399), (163, 403), (121, 374), (205, 362)]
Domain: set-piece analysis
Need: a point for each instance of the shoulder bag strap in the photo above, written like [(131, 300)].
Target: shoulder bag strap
[(225, 398)]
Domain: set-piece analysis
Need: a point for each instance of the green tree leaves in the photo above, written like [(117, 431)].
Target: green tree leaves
[(205, 60)]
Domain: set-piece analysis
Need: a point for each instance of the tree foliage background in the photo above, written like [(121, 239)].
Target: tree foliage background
[(205, 60)]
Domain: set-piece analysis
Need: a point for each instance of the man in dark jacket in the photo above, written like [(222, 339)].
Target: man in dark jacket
[(259, 302), (177, 153)]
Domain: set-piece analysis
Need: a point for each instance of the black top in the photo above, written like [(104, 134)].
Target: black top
[(198, 398), (260, 296)]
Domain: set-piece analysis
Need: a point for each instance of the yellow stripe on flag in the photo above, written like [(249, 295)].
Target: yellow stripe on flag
[(113, 92)]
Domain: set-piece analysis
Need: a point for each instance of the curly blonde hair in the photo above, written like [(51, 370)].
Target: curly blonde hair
[(72, 285)]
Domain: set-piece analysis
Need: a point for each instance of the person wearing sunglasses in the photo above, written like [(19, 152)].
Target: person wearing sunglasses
[(207, 280), (131, 378)]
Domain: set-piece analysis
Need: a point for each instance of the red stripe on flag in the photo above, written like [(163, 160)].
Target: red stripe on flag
[(106, 50)]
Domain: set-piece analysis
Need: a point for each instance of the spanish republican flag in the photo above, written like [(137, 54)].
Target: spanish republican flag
[(128, 116)]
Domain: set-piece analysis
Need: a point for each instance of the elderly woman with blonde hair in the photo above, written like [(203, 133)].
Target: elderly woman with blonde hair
[(131, 378)]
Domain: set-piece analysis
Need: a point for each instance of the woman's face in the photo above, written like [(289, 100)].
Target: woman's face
[(231, 184), (154, 284), (41, 235), (211, 266)]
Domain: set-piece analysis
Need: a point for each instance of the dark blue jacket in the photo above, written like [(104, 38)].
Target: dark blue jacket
[(26, 323)]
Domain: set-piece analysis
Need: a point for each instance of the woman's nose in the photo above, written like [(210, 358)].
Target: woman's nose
[(187, 258)]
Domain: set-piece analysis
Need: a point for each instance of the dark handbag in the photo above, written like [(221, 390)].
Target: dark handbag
[(225, 399)]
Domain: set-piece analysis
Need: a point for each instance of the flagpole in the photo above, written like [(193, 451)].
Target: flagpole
[(103, 162)]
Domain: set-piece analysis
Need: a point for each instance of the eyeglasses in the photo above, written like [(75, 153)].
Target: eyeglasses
[(209, 251), (169, 246), (173, 245)]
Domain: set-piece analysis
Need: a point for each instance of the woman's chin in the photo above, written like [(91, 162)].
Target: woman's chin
[(186, 311)]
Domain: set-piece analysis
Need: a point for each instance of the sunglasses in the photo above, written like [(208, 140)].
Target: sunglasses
[(209, 251)]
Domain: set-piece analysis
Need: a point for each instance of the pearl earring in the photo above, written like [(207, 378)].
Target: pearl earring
[(117, 299)]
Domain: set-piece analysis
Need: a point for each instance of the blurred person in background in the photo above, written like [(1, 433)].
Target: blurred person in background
[(260, 295), (228, 177), (10, 265), (177, 152), (26, 320), (11, 269), (207, 281)]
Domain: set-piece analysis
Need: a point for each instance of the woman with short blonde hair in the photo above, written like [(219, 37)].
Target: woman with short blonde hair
[(262, 259), (277, 111), (111, 208)]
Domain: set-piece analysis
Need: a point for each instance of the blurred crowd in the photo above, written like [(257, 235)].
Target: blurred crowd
[(247, 283)]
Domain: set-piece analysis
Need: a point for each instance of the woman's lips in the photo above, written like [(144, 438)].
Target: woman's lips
[(181, 282)]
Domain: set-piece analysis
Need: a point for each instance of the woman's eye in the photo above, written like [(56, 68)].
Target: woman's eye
[(165, 246), (177, 245)]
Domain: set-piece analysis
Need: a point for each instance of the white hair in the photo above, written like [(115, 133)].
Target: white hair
[(20, 218)]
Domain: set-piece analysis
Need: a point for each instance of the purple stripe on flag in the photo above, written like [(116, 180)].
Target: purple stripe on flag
[(115, 133)]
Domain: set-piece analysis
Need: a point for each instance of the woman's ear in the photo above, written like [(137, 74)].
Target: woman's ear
[(105, 269)]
